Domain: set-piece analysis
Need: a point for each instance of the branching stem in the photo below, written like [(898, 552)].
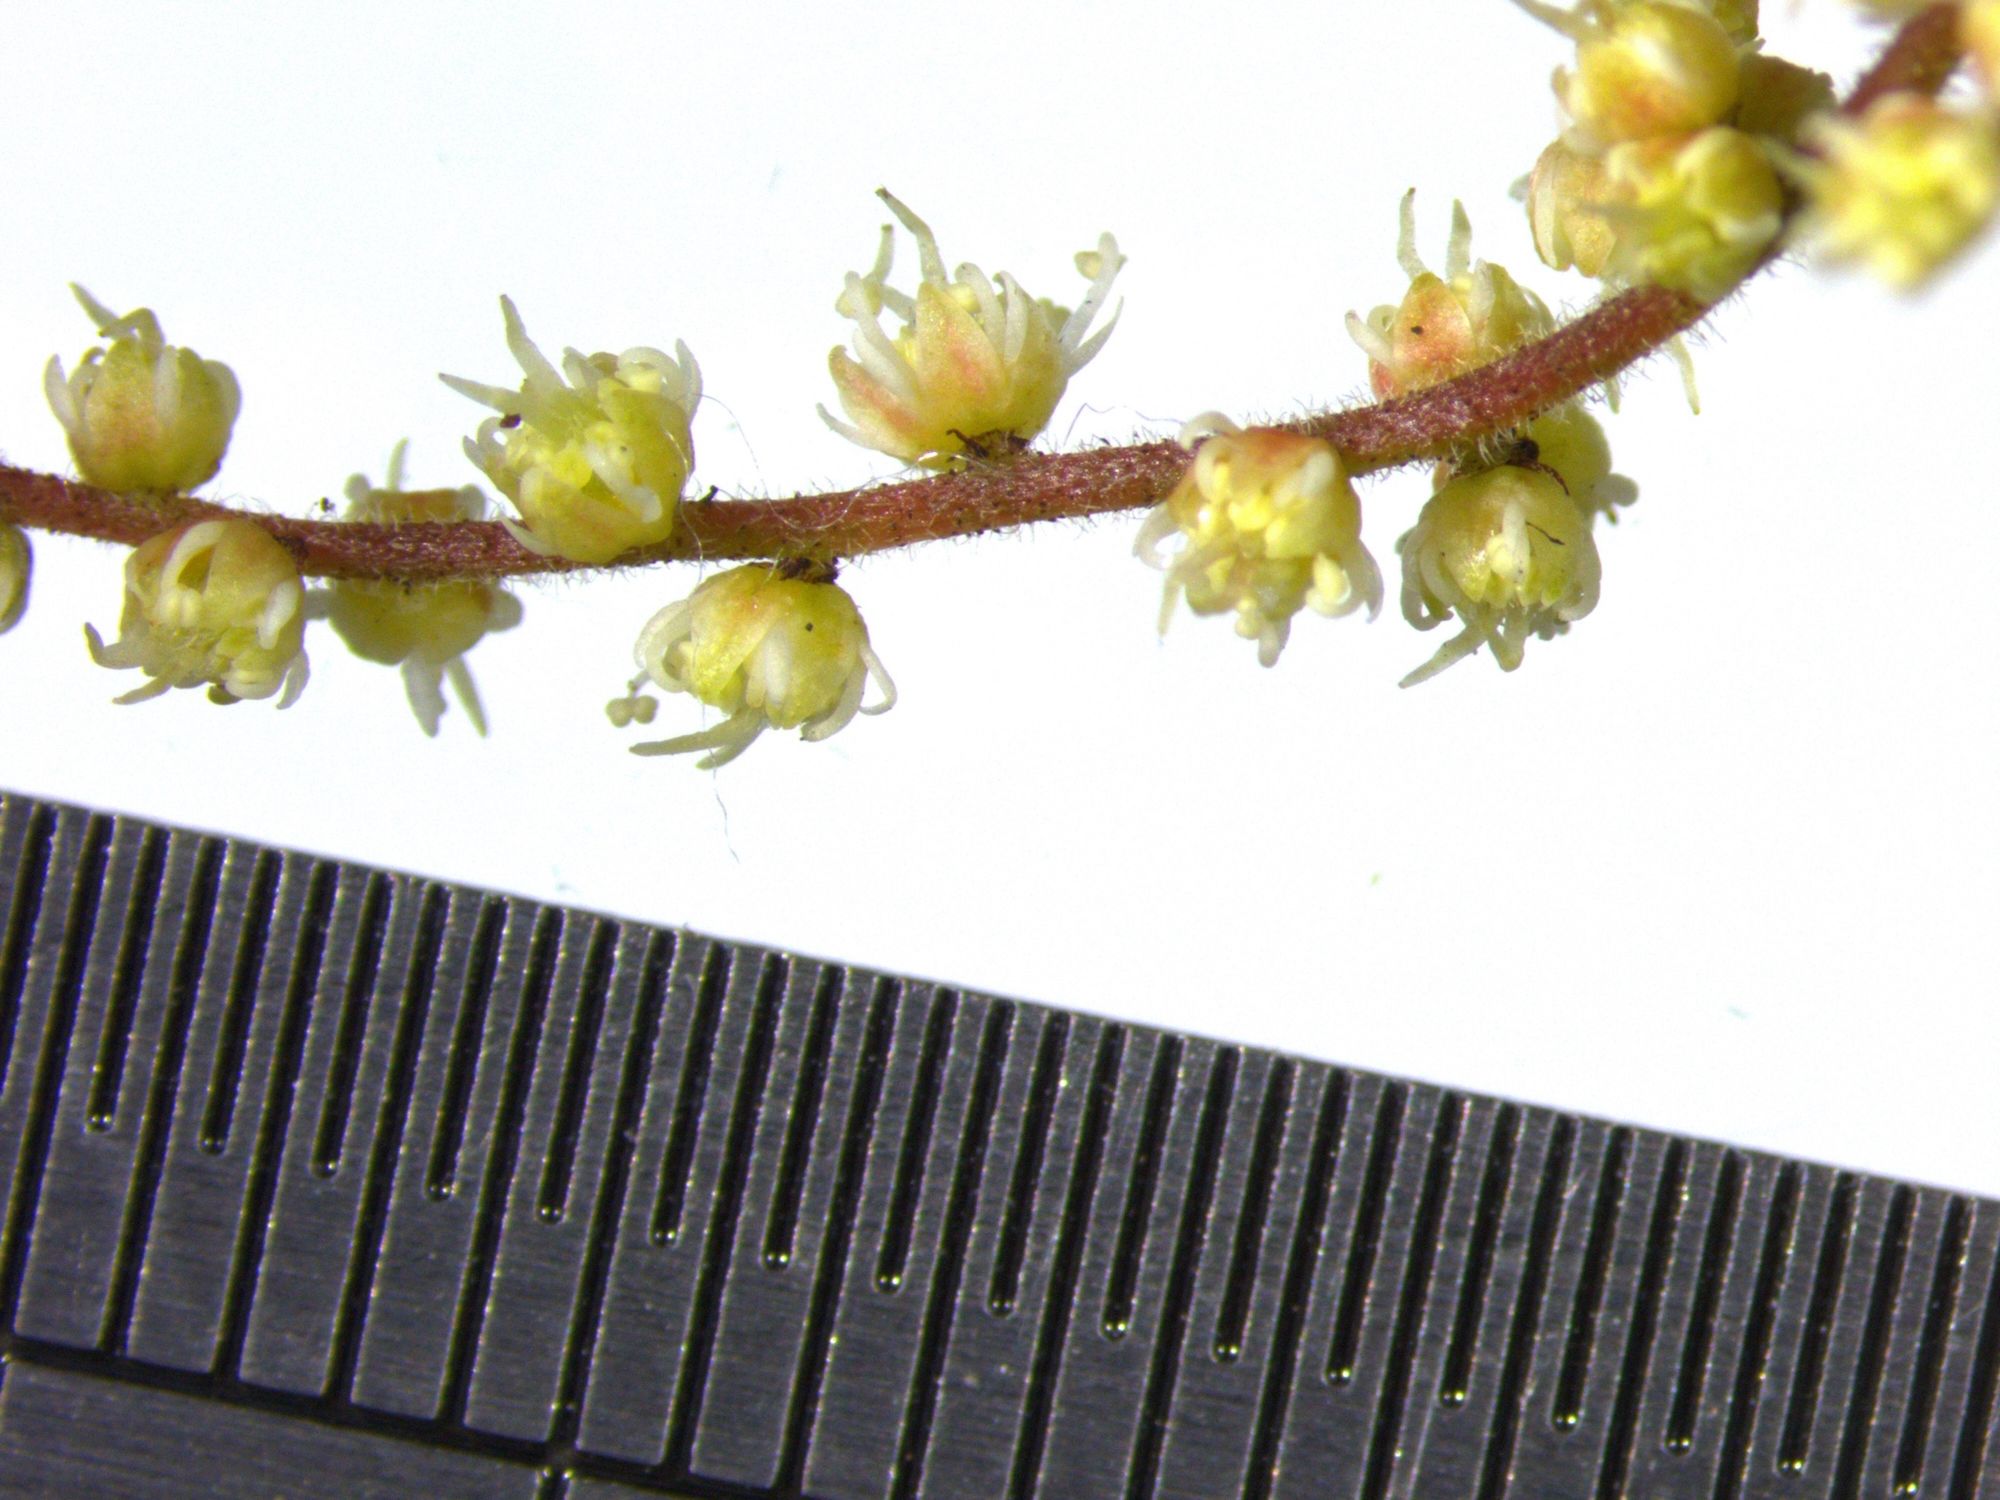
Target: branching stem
[(1013, 491)]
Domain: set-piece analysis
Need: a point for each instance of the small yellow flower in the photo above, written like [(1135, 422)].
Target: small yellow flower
[(974, 366), (1903, 189), (1693, 215), (1268, 523), (1509, 553), (425, 628), (142, 414), (216, 603), (773, 648), (1645, 67), (1570, 442), (1445, 325), (17, 566), (596, 463)]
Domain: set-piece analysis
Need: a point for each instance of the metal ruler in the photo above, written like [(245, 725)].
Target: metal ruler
[(320, 1181)]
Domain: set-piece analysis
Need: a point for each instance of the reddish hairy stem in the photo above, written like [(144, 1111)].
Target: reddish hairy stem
[(1924, 52), (1013, 491)]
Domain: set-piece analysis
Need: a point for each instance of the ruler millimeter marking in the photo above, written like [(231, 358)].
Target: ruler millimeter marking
[(323, 1181)]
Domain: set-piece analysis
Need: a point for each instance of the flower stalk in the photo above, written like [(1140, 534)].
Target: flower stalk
[(1010, 490)]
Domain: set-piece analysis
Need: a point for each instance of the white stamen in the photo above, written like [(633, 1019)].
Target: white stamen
[(1458, 249), (930, 264), (534, 364), (421, 685), (466, 692), (1406, 238)]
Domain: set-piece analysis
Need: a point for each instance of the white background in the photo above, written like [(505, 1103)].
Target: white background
[(1723, 860)]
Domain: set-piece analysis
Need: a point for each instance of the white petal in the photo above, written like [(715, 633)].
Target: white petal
[(1450, 653), (278, 611), (226, 389), (1458, 249), (531, 359), (1208, 424), (1406, 237), (930, 264), (1109, 264), (152, 689), (725, 741), (992, 317), (167, 391), (396, 456), (884, 684), (466, 692), (881, 358), (841, 714), (61, 400), (420, 682), (659, 635), (499, 399), (101, 317), (1374, 343), (851, 433), (526, 537), (1155, 529), (1085, 352), (295, 680)]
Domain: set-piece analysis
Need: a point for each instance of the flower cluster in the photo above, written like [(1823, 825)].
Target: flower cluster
[(1267, 523), (215, 604), (1505, 542), (1445, 325), (1505, 550), (142, 415), (1684, 152), (978, 365), (423, 628), (596, 462), (772, 647), (1663, 172), (1902, 189)]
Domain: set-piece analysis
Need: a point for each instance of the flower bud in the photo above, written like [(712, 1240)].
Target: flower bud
[(424, 628), (1445, 325), (773, 648), (142, 414), (1509, 553), (216, 603), (1695, 215), (1570, 443), (1268, 523), (1903, 189), (1566, 196), (977, 368), (1644, 68), (596, 463), (17, 565)]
